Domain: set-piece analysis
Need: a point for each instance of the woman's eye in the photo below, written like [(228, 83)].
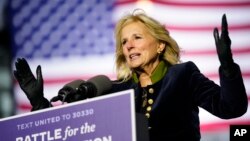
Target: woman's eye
[(137, 37), (124, 42)]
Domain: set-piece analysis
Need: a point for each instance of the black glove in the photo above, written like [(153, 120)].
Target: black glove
[(32, 87), (223, 47)]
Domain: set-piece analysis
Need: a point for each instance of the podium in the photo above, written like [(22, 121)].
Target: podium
[(106, 118)]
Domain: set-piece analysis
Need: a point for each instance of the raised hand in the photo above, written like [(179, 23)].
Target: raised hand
[(223, 47), (32, 87)]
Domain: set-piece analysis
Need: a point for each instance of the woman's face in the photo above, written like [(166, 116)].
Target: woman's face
[(139, 47)]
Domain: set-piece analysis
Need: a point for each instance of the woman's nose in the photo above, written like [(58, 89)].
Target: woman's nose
[(130, 45)]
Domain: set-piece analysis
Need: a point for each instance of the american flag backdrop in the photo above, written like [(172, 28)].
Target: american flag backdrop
[(74, 39)]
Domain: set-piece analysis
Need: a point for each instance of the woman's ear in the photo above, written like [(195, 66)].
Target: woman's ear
[(161, 47)]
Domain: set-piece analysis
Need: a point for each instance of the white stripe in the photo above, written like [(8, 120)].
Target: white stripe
[(189, 16), (205, 40), (206, 117)]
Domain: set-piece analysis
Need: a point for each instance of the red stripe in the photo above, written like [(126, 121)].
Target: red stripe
[(245, 74), (64, 80), (24, 106), (236, 51), (204, 4), (222, 126), (49, 81), (191, 4), (69, 79), (27, 107), (207, 28)]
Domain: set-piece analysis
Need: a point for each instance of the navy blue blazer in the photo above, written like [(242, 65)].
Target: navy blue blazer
[(174, 114)]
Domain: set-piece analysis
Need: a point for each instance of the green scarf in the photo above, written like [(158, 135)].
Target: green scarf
[(157, 74)]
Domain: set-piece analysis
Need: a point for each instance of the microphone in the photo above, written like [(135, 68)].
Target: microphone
[(79, 89), (95, 86), (65, 94)]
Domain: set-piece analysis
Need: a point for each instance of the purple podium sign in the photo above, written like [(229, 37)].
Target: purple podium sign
[(105, 118)]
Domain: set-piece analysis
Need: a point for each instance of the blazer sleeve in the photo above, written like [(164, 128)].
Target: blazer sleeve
[(227, 100)]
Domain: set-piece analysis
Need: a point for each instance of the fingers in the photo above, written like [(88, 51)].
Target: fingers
[(17, 64), (17, 76), (21, 65), (23, 73), (224, 25), (39, 74), (25, 65), (224, 32), (19, 70), (216, 36)]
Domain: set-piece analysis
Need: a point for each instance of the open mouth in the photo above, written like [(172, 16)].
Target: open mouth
[(134, 56)]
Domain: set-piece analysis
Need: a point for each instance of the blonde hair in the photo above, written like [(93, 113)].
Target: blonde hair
[(170, 54)]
